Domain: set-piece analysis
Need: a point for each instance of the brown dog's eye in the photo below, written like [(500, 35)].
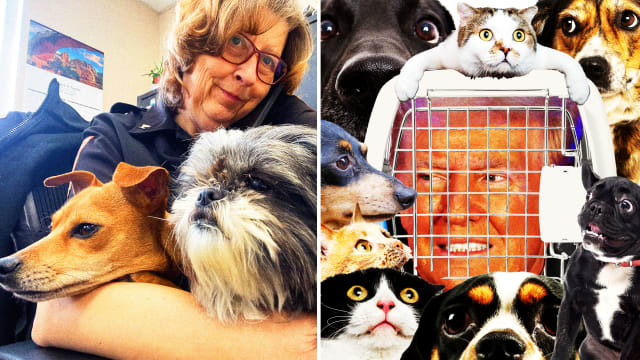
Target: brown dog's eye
[(456, 321), (629, 20), (427, 31), (84, 230), (569, 26), (549, 320), (343, 163), (328, 29)]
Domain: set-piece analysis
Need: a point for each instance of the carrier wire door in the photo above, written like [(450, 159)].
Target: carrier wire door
[(496, 164)]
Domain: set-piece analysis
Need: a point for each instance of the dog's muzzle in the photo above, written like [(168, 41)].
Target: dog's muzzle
[(8, 267)]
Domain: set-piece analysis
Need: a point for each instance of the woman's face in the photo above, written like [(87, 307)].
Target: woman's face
[(219, 93)]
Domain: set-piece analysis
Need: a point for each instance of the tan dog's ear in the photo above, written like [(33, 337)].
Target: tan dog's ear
[(357, 215), (79, 180), (145, 187)]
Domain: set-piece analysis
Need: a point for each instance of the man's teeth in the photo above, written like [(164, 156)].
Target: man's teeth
[(464, 247)]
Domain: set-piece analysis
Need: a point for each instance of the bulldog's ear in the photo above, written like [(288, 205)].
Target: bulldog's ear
[(425, 340), (146, 187), (588, 176)]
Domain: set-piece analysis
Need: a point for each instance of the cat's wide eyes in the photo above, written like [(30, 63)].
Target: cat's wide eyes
[(409, 295), (456, 321), (357, 293), (363, 246), (518, 35), (486, 34), (427, 31), (569, 25)]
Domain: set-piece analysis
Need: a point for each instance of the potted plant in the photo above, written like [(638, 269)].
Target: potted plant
[(155, 73)]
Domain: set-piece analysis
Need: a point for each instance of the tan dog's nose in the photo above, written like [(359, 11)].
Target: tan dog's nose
[(9, 265)]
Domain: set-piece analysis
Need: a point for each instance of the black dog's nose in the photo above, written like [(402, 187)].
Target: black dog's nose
[(595, 209), (359, 82), (9, 265), (209, 195), (597, 69), (405, 196), (500, 345)]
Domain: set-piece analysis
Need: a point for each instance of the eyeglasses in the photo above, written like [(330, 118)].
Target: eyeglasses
[(239, 49)]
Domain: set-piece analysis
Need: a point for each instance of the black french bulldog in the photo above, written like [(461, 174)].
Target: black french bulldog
[(364, 44), (601, 284)]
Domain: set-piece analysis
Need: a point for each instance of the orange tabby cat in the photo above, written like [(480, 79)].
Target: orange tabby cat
[(360, 245)]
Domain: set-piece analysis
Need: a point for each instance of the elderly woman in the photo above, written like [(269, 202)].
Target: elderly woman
[(225, 57)]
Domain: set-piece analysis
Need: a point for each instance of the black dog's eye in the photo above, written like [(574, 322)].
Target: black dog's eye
[(257, 184), (626, 206), (427, 31), (549, 320), (456, 321), (588, 195), (328, 29), (343, 163), (629, 20), (84, 230), (569, 26)]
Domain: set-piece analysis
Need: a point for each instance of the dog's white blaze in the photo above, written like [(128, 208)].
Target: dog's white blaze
[(507, 286), (616, 281)]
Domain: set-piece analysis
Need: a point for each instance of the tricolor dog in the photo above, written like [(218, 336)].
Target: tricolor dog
[(603, 35), (492, 316)]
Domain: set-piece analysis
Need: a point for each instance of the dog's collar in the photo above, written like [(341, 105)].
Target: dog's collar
[(631, 263)]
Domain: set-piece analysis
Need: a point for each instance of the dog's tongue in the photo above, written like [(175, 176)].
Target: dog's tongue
[(593, 227)]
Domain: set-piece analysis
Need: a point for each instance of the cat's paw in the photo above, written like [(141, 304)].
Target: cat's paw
[(578, 88), (406, 87)]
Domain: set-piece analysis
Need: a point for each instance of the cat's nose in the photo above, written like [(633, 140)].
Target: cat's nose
[(505, 50), (397, 245), (386, 305)]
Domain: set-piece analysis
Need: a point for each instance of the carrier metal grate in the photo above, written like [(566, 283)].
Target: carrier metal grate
[(476, 162)]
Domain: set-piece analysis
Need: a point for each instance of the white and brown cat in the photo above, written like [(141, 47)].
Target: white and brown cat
[(360, 245), (492, 42)]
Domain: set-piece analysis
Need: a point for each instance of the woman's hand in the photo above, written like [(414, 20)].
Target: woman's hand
[(139, 320)]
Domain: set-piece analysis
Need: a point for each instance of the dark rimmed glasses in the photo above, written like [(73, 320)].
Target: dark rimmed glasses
[(270, 69)]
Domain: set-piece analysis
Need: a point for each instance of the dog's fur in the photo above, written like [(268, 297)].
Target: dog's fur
[(606, 296), (245, 221), (608, 53), (349, 181), (103, 233), (371, 41), (358, 246), (491, 316)]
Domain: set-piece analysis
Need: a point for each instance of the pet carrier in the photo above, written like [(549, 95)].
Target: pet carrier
[(496, 164)]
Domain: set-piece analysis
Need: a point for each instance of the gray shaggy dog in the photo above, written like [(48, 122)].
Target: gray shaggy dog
[(245, 221)]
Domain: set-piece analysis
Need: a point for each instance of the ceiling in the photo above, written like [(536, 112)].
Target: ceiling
[(160, 5)]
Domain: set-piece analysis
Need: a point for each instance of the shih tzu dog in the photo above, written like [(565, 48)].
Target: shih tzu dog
[(245, 221)]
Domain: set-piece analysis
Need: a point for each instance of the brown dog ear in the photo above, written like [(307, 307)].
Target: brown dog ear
[(79, 180), (146, 187)]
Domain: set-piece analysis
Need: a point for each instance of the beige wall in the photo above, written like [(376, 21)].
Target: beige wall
[(127, 31)]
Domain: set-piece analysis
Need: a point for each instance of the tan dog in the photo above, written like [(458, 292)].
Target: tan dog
[(105, 232), (358, 246)]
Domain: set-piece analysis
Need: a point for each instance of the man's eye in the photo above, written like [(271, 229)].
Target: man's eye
[(425, 177), (496, 178)]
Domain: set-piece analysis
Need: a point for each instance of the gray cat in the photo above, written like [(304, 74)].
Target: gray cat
[(493, 43)]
